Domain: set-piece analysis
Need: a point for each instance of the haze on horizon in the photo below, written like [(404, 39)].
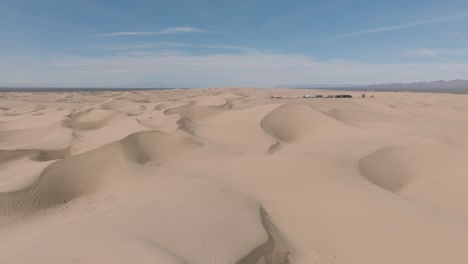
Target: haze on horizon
[(231, 43)]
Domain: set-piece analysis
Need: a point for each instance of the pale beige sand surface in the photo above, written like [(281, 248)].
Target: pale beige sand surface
[(231, 176)]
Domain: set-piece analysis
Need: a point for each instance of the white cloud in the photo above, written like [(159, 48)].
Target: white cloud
[(402, 26), (165, 44), (456, 34), (228, 47), (146, 45), (428, 53), (246, 69), (166, 31)]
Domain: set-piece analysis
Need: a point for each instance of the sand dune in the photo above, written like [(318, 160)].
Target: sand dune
[(232, 176), (300, 124), (431, 174), (196, 112), (81, 174), (42, 144)]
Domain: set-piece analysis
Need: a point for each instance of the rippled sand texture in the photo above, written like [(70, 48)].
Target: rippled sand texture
[(230, 176)]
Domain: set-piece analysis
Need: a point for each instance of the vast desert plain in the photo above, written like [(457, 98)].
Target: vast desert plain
[(232, 176)]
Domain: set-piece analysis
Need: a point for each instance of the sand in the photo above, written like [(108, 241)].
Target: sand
[(231, 176)]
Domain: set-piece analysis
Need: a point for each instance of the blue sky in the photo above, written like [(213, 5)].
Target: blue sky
[(231, 43)]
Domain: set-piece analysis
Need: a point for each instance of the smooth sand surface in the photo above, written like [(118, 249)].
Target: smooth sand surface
[(231, 176)]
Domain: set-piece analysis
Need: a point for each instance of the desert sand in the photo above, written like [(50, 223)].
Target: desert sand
[(231, 176)]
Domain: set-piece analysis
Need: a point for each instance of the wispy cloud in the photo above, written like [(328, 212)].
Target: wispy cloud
[(432, 53), (246, 69), (402, 26), (166, 31), (174, 45), (145, 45), (228, 47), (458, 35)]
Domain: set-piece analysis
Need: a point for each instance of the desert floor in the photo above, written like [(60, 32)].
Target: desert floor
[(231, 176)]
